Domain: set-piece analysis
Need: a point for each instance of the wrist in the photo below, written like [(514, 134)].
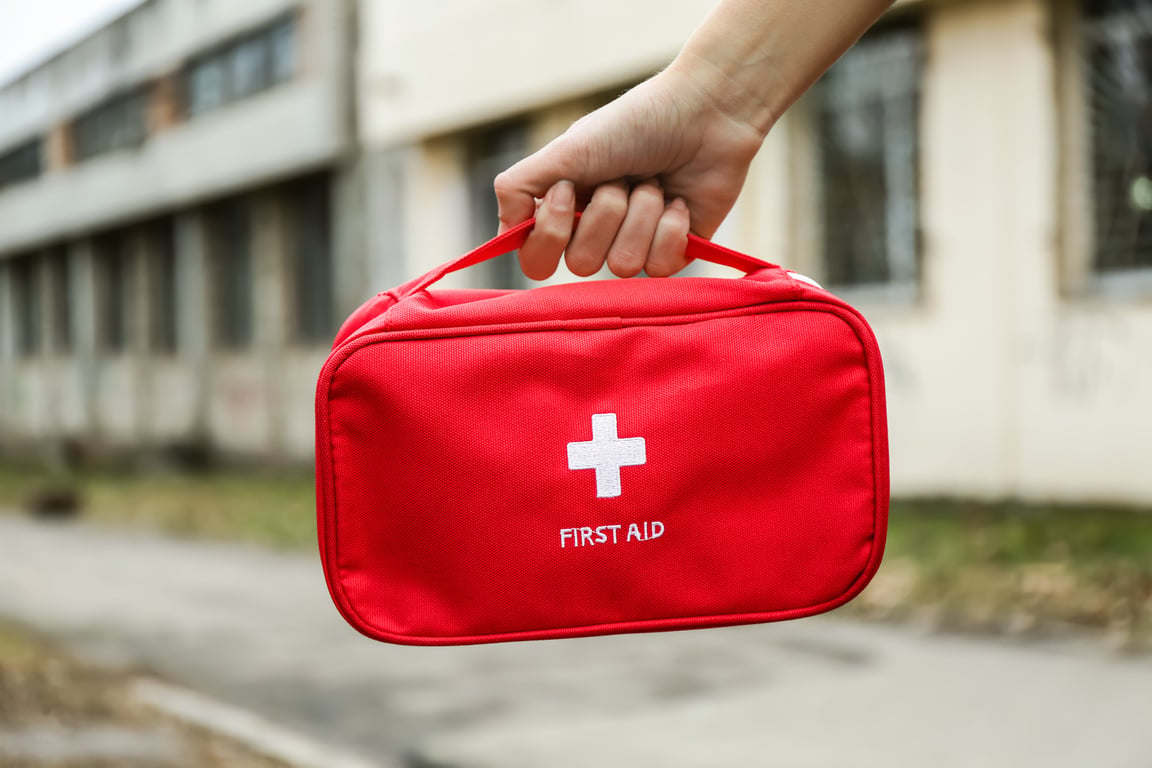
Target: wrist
[(725, 90)]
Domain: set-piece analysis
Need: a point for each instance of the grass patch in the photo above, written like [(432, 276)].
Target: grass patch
[(271, 508), (1018, 568)]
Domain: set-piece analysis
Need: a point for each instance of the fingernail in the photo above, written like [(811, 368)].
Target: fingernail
[(564, 196), (679, 204)]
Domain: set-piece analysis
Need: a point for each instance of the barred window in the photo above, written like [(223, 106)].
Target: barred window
[(1117, 65), (230, 258), (310, 221), (20, 163), (490, 151), (241, 68), (867, 122), (118, 123)]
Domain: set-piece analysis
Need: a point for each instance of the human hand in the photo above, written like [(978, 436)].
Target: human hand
[(664, 159)]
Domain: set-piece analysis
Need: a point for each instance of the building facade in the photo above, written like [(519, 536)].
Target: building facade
[(975, 175), (176, 193)]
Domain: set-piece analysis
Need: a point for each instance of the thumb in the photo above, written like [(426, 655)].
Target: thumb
[(518, 188)]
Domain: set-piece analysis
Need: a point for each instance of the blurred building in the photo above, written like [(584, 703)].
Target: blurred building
[(975, 175), (174, 232)]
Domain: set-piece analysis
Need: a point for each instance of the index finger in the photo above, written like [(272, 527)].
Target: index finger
[(515, 201)]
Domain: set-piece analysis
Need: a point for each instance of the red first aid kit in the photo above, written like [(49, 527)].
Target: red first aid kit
[(599, 457)]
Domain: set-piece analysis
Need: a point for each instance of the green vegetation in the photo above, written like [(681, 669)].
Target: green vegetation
[(276, 508), (1018, 568)]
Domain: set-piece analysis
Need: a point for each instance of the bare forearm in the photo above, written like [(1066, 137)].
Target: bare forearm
[(755, 57)]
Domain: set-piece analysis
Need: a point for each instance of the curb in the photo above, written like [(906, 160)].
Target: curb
[(248, 728)]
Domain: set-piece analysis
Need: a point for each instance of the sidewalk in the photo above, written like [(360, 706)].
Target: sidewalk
[(256, 629)]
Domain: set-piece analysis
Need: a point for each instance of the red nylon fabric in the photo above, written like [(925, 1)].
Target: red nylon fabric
[(444, 484)]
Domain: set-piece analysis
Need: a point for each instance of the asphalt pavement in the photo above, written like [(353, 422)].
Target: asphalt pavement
[(256, 629)]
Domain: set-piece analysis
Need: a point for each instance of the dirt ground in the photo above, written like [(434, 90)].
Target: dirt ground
[(56, 712)]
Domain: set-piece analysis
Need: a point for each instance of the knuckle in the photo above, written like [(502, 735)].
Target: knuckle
[(552, 231), (649, 200), (614, 202), (503, 183)]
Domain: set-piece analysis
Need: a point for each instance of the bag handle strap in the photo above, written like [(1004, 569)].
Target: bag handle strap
[(510, 240)]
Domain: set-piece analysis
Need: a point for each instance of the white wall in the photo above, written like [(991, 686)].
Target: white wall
[(431, 68), (998, 384)]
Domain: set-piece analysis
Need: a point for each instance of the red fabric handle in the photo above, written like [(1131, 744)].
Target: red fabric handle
[(698, 248)]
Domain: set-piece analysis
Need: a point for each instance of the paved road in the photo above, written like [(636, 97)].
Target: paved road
[(256, 629)]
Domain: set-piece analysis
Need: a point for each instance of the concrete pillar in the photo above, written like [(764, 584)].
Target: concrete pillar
[(7, 352), (193, 316), (137, 350), (367, 251), (270, 272), (81, 258), (51, 424)]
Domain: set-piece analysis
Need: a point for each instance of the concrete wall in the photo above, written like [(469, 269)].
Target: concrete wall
[(258, 402), (427, 71), (1003, 380)]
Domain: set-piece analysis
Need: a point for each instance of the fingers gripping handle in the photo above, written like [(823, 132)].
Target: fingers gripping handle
[(510, 240)]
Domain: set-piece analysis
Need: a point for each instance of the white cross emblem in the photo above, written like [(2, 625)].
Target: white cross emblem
[(606, 453)]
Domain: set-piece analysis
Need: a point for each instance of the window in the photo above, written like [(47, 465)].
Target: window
[(248, 67), (1118, 75), (160, 237), (490, 151), (230, 258), (206, 85), (118, 123), (282, 39), (21, 163), (241, 68), (867, 127), (26, 302), (310, 222), (115, 294), (60, 285)]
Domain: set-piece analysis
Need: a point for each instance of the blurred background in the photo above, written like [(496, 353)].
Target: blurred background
[(195, 193)]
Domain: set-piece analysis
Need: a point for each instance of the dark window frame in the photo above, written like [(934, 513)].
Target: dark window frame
[(1115, 50), (27, 299), (867, 123), (60, 286), (95, 131), (232, 264), (309, 232), (163, 286), (115, 289), (22, 162), (222, 60)]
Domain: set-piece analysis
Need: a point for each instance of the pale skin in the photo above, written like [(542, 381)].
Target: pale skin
[(671, 155)]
